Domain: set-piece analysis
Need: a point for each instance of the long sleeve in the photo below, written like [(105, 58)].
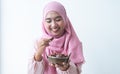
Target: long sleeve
[(73, 69), (35, 67)]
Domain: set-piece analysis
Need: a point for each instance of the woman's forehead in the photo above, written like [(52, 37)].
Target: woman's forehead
[(52, 14)]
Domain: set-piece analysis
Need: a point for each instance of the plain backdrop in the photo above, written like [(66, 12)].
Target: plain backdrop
[(96, 22)]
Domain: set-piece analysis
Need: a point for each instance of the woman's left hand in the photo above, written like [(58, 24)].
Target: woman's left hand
[(63, 66)]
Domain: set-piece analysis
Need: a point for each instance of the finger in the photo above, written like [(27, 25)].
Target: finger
[(48, 39), (51, 64), (56, 65), (65, 64)]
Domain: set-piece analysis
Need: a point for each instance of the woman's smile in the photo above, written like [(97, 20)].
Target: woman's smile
[(55, 29)]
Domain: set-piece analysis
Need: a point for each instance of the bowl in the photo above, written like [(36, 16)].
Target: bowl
[(58, 58)]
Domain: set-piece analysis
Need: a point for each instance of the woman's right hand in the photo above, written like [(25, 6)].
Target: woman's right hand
[(40, 46)]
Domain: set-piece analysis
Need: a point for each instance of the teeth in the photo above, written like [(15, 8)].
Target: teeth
[(54, 30)]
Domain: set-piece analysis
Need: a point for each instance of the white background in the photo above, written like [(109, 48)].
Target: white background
[(96, 22)]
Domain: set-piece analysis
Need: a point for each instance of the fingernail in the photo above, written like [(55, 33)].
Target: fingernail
[(51, 38)]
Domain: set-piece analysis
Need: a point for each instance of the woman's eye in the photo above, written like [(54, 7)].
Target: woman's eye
[(58, 19), (48, 21)]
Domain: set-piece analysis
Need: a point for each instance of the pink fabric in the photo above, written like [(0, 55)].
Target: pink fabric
[(66, 44)]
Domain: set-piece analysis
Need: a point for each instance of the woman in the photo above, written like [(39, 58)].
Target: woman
[(58, 38)]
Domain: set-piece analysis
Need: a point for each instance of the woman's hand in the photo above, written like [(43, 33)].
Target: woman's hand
[(40, 46), (63, 66)]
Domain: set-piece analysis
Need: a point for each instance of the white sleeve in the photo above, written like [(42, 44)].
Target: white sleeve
[(35, 67), (73, 69)]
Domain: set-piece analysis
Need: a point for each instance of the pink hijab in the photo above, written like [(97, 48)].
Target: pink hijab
[(66, 44)]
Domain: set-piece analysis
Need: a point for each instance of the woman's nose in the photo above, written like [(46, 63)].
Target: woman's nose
[(53, 24)]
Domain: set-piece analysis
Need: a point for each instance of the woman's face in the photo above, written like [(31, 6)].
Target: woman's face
[(54, 24)]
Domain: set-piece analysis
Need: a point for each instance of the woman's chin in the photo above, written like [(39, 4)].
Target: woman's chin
[(56, 35)]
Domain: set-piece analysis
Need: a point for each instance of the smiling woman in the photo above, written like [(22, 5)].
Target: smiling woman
[(59, 38), (97, 24)]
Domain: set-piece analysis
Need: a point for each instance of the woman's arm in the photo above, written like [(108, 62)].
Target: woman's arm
[(35, 67), (36, 63)]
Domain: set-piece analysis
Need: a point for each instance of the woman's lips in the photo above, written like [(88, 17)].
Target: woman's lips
[(55, 29)]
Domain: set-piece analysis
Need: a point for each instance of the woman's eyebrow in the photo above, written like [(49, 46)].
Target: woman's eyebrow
[(55, 17), (58, 17), (47, 18)]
